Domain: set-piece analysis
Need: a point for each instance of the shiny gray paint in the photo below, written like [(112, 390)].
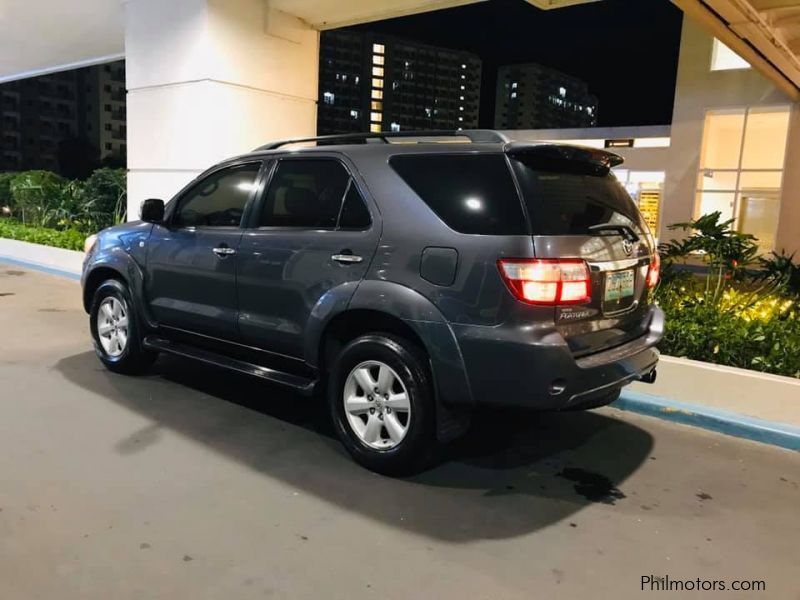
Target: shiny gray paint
[(484, 345)]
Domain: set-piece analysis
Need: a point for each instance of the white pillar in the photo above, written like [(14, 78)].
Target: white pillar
[(208, 79), (788, 234)]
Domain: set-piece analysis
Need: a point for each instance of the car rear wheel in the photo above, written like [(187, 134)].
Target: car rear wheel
[(380, 399), (115, 330)]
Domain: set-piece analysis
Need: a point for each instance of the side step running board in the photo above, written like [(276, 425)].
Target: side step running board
[(304, 385)]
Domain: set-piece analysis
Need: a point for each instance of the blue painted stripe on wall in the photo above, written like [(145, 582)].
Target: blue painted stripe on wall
[(37, 267), (714, 419)]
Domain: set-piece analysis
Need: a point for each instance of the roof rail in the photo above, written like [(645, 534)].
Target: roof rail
[(473, 135)]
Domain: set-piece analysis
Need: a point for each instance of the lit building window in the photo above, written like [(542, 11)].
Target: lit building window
[(357, 79), (377, 59), (375, 117), (354, 113), (376, 105), (377, 83), (395, 126), (463, 66), (460, 118), (725, 59), (377, 71), (513, 94), (462, 87), (428, 112), (328, 97), (377, 48), (562, 92), (741, 168), (375, 127), (377, 94), (461, 97), (513, 85)]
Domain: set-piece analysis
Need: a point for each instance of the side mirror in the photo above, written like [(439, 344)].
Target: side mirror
[(152, 211)]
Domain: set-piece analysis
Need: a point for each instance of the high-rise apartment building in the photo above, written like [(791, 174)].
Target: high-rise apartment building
[(376, 82), (39, 113), (531, 96)]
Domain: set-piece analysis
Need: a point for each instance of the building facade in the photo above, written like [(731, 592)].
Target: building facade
[(38, 114), (375, 82), (531, 96)]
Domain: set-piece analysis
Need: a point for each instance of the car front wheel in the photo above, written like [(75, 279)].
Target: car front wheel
[(115, 330), (381, 403)]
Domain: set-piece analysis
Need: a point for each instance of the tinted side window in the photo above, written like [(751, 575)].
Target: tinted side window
[(354, 212), (219, 199), (471, 193), (304, 193), (563, 201)]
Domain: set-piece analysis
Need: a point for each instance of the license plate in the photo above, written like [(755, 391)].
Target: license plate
[(619, 285)]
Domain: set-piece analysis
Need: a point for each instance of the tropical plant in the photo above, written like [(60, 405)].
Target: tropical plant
[(34, 194), (725, 251), (107, 190), (6, 200), (781, 269), (14, 230)]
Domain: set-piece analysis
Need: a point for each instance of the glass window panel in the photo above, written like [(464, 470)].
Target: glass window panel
[(765, 138), (710, 179), (376, 105), (760, 180), (725, 59), (377, 83), (722, 140), (758, 215), (709, 202), (218, 200), (375, 127), (377, 71), (377, 59)]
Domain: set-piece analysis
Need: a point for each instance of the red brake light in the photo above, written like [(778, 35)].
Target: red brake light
[(654, 272), (546, 281)]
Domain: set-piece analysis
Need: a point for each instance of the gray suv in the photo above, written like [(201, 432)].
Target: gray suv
[(408, 277)]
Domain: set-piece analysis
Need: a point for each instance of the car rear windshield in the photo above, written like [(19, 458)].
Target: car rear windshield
[(570, 197), (471, 193)]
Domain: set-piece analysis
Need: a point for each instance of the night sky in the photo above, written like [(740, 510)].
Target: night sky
[(626, 50)]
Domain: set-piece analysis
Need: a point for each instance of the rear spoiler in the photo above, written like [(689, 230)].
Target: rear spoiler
[(565, 158)]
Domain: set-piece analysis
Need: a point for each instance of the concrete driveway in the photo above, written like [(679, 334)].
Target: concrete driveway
[(195, 483)]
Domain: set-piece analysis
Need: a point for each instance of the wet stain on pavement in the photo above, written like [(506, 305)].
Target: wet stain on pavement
[(13, 272), (595, 487), (703, 496), (6, 294), (52, 310)]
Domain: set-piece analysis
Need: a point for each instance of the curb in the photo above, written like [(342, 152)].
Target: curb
[(39, 267), (713, 419)]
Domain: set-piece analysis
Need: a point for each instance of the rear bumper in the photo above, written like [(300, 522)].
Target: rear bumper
[(533, 367)]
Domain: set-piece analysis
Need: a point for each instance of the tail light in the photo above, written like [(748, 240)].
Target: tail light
[(546, 281), (654, 272)]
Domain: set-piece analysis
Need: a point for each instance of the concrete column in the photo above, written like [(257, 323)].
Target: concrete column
[(788, 234), (208, 79)]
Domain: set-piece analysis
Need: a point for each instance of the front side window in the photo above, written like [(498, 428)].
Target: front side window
[(219, 199), (310, 194)]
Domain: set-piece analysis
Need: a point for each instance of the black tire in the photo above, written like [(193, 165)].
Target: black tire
[(416, 449), (134, 359), (598, 402)]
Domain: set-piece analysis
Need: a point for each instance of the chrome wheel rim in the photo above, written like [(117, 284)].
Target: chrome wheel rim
[(377, 405), (112, 326)]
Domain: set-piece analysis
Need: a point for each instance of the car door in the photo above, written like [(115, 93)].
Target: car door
[(312, 231), (190, 280)]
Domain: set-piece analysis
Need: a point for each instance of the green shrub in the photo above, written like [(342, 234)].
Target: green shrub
[(6, 200), (35, 193), (14, 230), (730, 315), (107, 191)]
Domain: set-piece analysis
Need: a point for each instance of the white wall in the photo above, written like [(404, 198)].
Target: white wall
[(697, 90), (210, 79)]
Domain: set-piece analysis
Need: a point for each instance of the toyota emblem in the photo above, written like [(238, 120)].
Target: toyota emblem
[(627, 246)]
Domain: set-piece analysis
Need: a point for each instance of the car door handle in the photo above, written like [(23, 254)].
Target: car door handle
[(223, 251), (347, 258)]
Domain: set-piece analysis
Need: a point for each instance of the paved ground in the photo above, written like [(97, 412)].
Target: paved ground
[(193, 483)]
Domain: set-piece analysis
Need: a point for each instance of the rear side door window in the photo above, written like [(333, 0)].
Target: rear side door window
[(219, 199), (471, 193), (313, 194)]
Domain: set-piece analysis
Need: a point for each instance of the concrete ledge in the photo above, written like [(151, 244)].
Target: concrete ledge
[(722, 421), (56, 261), (749, 393)]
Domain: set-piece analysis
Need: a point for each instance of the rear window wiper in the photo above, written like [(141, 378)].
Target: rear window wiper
[(624, 230)]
